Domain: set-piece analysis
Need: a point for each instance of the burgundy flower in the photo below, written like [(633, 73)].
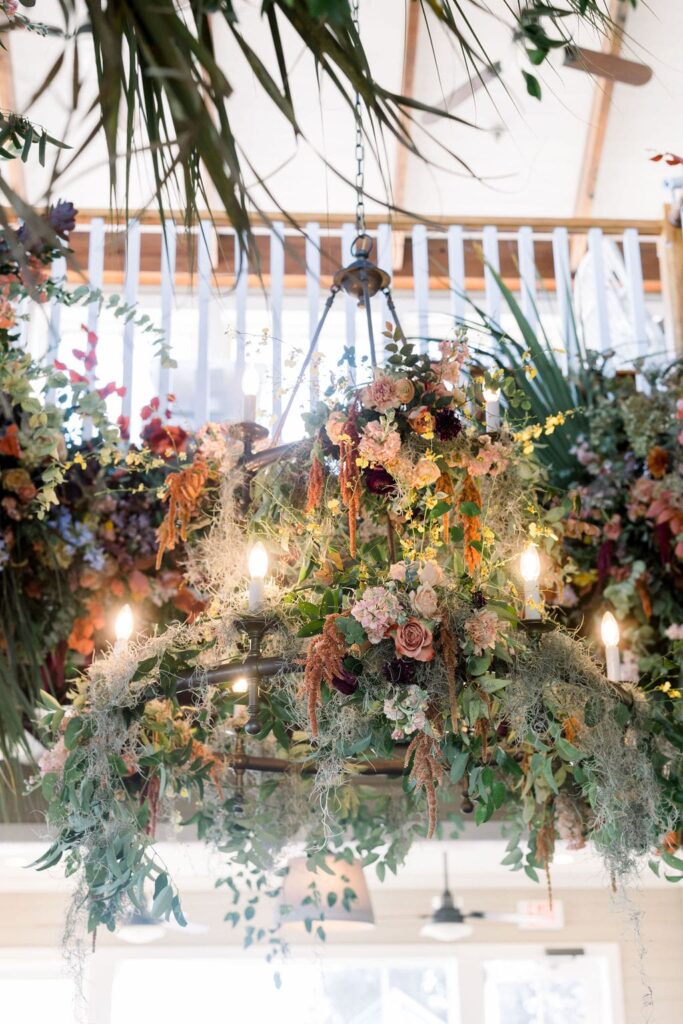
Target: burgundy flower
[(163, 438), (604, 560), (379, 481), (346, 683), (400, 672), (448, 425), (478, 599)]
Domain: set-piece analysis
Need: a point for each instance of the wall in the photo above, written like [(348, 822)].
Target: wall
[(591, 916)]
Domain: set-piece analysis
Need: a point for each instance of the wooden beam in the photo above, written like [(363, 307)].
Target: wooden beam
[(671, 264), (603, 93), (15, 168), (400, 177)]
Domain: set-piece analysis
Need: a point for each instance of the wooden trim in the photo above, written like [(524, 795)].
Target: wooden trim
[(297, 282), (335, 221)]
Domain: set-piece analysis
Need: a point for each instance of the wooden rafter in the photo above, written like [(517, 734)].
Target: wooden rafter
[(603, 93), (400, 178), (15, 168)]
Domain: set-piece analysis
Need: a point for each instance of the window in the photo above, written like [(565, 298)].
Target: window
[(552, 990), (319, 991), (34, 992)]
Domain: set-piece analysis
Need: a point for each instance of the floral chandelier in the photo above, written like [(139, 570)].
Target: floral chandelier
[(375, 608)]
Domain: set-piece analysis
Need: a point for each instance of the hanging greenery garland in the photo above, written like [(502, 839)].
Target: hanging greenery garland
[(389, 637)]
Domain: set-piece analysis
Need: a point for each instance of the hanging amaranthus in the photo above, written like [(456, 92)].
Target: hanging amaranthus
[(324, 660), (449, 653), (427, 771), (316, 483), (349, 476), (471, 524), (569, 822), (184, 492)]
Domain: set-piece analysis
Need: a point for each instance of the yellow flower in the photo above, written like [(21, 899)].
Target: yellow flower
[(80, 461)]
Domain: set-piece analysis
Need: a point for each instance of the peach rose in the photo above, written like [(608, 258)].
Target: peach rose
[(334, 428), (397, 572), (431, 574), (405, 390), (381, 395), (425, 473), (425, 602), (413, 640)]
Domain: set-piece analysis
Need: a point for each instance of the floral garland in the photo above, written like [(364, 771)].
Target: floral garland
[(393, 606)]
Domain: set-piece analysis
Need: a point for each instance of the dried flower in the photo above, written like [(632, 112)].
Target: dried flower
[(482, 629), (382, 394)]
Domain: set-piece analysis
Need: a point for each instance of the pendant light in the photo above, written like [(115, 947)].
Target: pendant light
[(335, 896)]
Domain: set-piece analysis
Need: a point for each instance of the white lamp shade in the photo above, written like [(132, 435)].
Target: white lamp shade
[(327, 892)]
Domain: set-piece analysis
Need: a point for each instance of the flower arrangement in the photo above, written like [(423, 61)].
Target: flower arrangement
[(393, 621)]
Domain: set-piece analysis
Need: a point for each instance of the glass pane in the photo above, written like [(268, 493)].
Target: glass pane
[(546, 991), (310, 993), (34, 1000)]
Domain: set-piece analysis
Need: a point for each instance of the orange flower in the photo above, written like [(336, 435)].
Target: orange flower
[(471, 525), (421, 420), (9, 442), (658, 462)]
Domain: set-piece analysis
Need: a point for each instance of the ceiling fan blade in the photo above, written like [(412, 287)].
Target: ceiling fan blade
[(463, 92), (606, 65)]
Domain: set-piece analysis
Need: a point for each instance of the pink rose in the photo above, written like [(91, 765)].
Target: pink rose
[(381, 395), (431, 574), (397, 572), (413, 640), (425, 602), (612, 527)]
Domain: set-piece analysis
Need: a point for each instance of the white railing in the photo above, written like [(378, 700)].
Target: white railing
[(607, 294)]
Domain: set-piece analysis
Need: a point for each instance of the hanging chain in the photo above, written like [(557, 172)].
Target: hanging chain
[(360, 145)]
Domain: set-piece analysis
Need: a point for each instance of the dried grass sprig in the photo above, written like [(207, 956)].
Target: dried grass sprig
[(426, 772), (349, 476)]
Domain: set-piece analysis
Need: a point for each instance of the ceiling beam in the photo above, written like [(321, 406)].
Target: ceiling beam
[(400, 176), (603, 93), (15, 168)]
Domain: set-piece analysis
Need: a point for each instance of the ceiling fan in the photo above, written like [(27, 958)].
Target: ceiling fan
[(448, 923), (465, 91), (607, 65)]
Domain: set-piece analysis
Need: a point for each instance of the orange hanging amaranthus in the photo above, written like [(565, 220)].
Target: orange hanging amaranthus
[(427, 771), (349, 476), (184, 492), (324, 660), (469, 494), (316, 483)]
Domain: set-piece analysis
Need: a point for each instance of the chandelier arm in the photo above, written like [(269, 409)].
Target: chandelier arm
[(309, 355), (392, 309), (368, 313)]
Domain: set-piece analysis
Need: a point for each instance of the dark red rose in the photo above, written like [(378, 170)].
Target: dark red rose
[(346, 683), (379, 481), (448, 425), (161, 438)]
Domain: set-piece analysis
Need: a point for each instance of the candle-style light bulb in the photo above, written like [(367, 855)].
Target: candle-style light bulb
[(492, 399), (123, 628), (240, 685), (251, 382), (609, 629), (258, 567), (530, 568)]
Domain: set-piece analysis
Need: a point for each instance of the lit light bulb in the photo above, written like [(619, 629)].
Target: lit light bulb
[(240, 685), (251, 382), (530, 564), (492, 399), (258, 567), (530, 568), (609, 629), (123, 628)]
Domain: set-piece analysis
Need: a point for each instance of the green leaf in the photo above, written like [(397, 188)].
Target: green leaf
[(470, 509), (458, 765), (533, 86)]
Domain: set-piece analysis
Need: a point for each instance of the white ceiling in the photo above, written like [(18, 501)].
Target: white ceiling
[(528, 167)]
